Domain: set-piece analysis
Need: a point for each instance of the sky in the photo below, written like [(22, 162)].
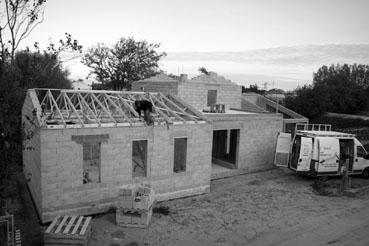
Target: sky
[(205, 25), (208, 25)]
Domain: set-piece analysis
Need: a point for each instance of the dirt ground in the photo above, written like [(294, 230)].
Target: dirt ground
[(275, 207), (258, 209)]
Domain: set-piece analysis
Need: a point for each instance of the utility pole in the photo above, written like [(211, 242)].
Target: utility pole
[(265, 86), (276, 98)]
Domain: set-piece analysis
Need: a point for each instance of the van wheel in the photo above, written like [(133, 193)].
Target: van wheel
[(366, 173)]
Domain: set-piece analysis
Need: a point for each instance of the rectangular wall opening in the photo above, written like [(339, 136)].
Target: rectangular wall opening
[(212, 97), (180, 155), (139, 158), (91, 162), (225, 147)]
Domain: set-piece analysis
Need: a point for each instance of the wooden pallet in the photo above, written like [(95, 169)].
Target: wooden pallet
[(17, 238), (7, 227), (68, 230)]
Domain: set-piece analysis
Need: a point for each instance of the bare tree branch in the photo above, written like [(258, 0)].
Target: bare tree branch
[(22, 17)]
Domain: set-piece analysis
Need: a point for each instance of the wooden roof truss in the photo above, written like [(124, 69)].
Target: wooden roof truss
[(74, 108)]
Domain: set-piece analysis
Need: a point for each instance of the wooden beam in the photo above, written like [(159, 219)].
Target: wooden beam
[(45, 98), (61, 224), (103, 108), (58, 98), (168, 109), (179, 108), (69, 225), (51, 226), (73, 108), (192, 109), (85, 225), (57, 108), (93, 104), (77, 225), (117, 107), (104, 103), (159, 111), (133, 111), (88, 107)]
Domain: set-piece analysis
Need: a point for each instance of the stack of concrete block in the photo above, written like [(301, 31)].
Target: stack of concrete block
[(135, 206)]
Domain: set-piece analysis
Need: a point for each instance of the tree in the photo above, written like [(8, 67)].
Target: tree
[(28, 70), (307, 101), (37, 69), (203, 71), (18, 19), (345, 86), (340, 89), (127, 61), (252, 88)]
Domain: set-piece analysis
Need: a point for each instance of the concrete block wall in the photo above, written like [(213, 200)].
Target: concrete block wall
[(32, 152), (63, 190), (196, 94), (230, 95), (257, 140), (153, 86)]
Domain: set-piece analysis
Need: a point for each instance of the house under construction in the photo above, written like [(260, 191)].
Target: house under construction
[(84, 145), (243, 140)]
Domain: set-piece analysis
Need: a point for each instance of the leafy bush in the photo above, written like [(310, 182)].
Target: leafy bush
[(339, 89), (28, 70)]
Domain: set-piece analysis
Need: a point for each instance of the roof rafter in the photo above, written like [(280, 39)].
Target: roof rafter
[(72, 108), (103, 108), (88, 108), (158, 110), (51, 97), (128, 105), (117, 107), (168, 109), (179, 108)]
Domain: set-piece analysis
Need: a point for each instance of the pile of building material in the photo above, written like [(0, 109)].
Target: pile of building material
[(9, 235), (135, 206), (68, 230)]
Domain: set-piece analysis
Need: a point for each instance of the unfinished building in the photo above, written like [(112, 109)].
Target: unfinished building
[(201, 92), (290, 117), (242, 140), (85, 145)]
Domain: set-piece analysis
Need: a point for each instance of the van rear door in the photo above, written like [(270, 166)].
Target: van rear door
[(282, 151), (303, 164), (329, 154)]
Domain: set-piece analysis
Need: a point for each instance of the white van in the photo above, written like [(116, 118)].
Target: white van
[(316, 150)]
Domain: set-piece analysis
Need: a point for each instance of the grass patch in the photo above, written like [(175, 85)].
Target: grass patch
[(331, 186)]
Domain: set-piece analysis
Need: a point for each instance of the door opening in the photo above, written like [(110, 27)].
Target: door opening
[(225, 147)]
